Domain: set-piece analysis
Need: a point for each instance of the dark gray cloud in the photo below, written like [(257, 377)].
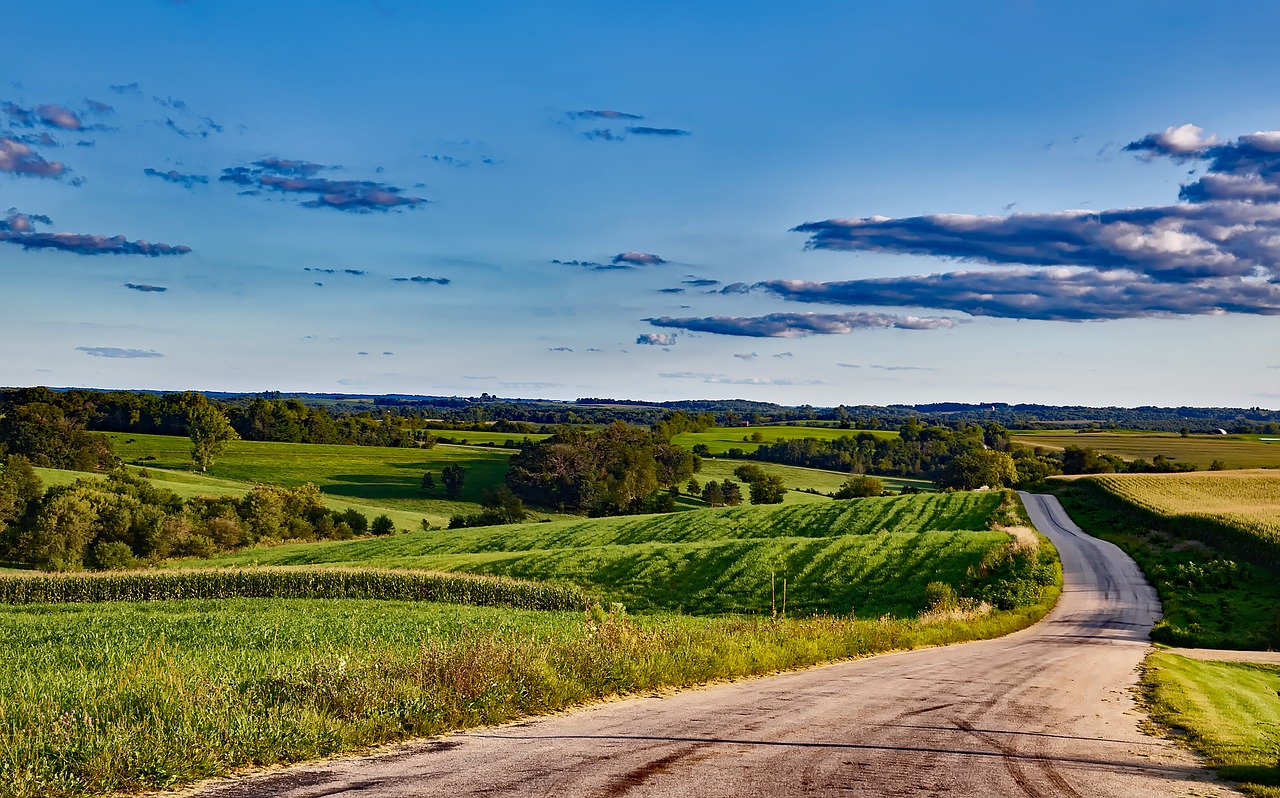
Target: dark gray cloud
[(635, 258), (1058, 294), (670, 290), (126, 88), (47, 114), (98, 108), (748, 356), (146, 288), (657, 131), (883, 368), (603, 135), (1217, 251), (19, 228), (656, 339), (113, 351), (299, 177), (421, 279), (592, 265), (352, 272), (702, 283), (173, 176), (19, 159), (86, 143), (795, 325), (41, 139), (785, 354), (601, 115), (559, 349)]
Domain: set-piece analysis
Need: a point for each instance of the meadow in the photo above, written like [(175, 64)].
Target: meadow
[(797, 479), (1227, 710), (1235, 451), (873, 555), (100, 698), (375, 476), (719, 440)]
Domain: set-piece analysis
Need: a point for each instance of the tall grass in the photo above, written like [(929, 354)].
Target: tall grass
[(125, 697)]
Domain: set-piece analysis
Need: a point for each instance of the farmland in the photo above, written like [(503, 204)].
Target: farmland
[(135, 695), (719, 440), (1235, 451), (875, 555), (797, 478), (370, 475), (1208, 541)]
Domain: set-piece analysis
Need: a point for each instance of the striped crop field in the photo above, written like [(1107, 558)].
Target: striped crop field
[(1250, 499), (874, 555)]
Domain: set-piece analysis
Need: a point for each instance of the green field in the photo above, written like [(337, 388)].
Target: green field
[(98, 699), (796, 478), (1226, 710), (875, 555), (1236, 451), (473, 438), (719, 440), (370, 475)]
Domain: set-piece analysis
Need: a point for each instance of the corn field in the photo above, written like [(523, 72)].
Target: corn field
[(308, 583)]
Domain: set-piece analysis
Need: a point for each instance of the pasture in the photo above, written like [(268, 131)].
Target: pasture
[(369, 475), (1236, 451), (875, 555), (719, 440), (796, 478)]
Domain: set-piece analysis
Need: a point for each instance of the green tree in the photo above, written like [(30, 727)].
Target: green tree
[(428, 481), (209, 431), (859, 486), (452, 476), (979, 468), (383, 525), (732, 493), (769, 489), (712, 494)]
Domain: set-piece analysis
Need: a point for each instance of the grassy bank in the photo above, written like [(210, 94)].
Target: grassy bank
[(100, 698), (1226, 710), (1215, 595)]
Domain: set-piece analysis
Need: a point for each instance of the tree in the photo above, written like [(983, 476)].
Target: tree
[(428, 481), (209, 431), (732, 493), (860, 486), (712, 494), (383, 525), (979, 468), (452, 477), (769, 489), (748, 472), (694, 488)]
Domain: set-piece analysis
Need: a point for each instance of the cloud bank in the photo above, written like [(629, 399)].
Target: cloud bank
[(796, 325), (1217, 251), (19, 228)]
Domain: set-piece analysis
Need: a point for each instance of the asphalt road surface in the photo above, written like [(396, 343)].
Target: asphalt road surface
[(1044, 712)]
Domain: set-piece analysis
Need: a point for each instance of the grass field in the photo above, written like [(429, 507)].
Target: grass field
[(1227, 710), (1236, 451), (875, 555), (797, 479), (98, 699), (719, 440), (473, 438), (371, 475)]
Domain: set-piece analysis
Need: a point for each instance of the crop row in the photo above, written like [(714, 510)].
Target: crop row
[(291, 583)]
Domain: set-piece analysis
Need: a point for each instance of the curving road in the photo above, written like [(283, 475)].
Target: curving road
[(1044, 712)]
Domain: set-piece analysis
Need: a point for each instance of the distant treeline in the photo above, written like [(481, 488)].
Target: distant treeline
[(967, 457)]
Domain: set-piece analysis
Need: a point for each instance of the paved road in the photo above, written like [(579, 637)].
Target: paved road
[(1044, 712)]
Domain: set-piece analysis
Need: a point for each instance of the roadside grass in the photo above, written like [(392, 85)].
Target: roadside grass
[(875, 555), (1212, 597), (1236, 451), (98, 699), (1227, 710), (371, 475), (719, 440)]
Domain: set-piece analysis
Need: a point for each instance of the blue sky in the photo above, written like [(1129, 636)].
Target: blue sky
[(837, 203)]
